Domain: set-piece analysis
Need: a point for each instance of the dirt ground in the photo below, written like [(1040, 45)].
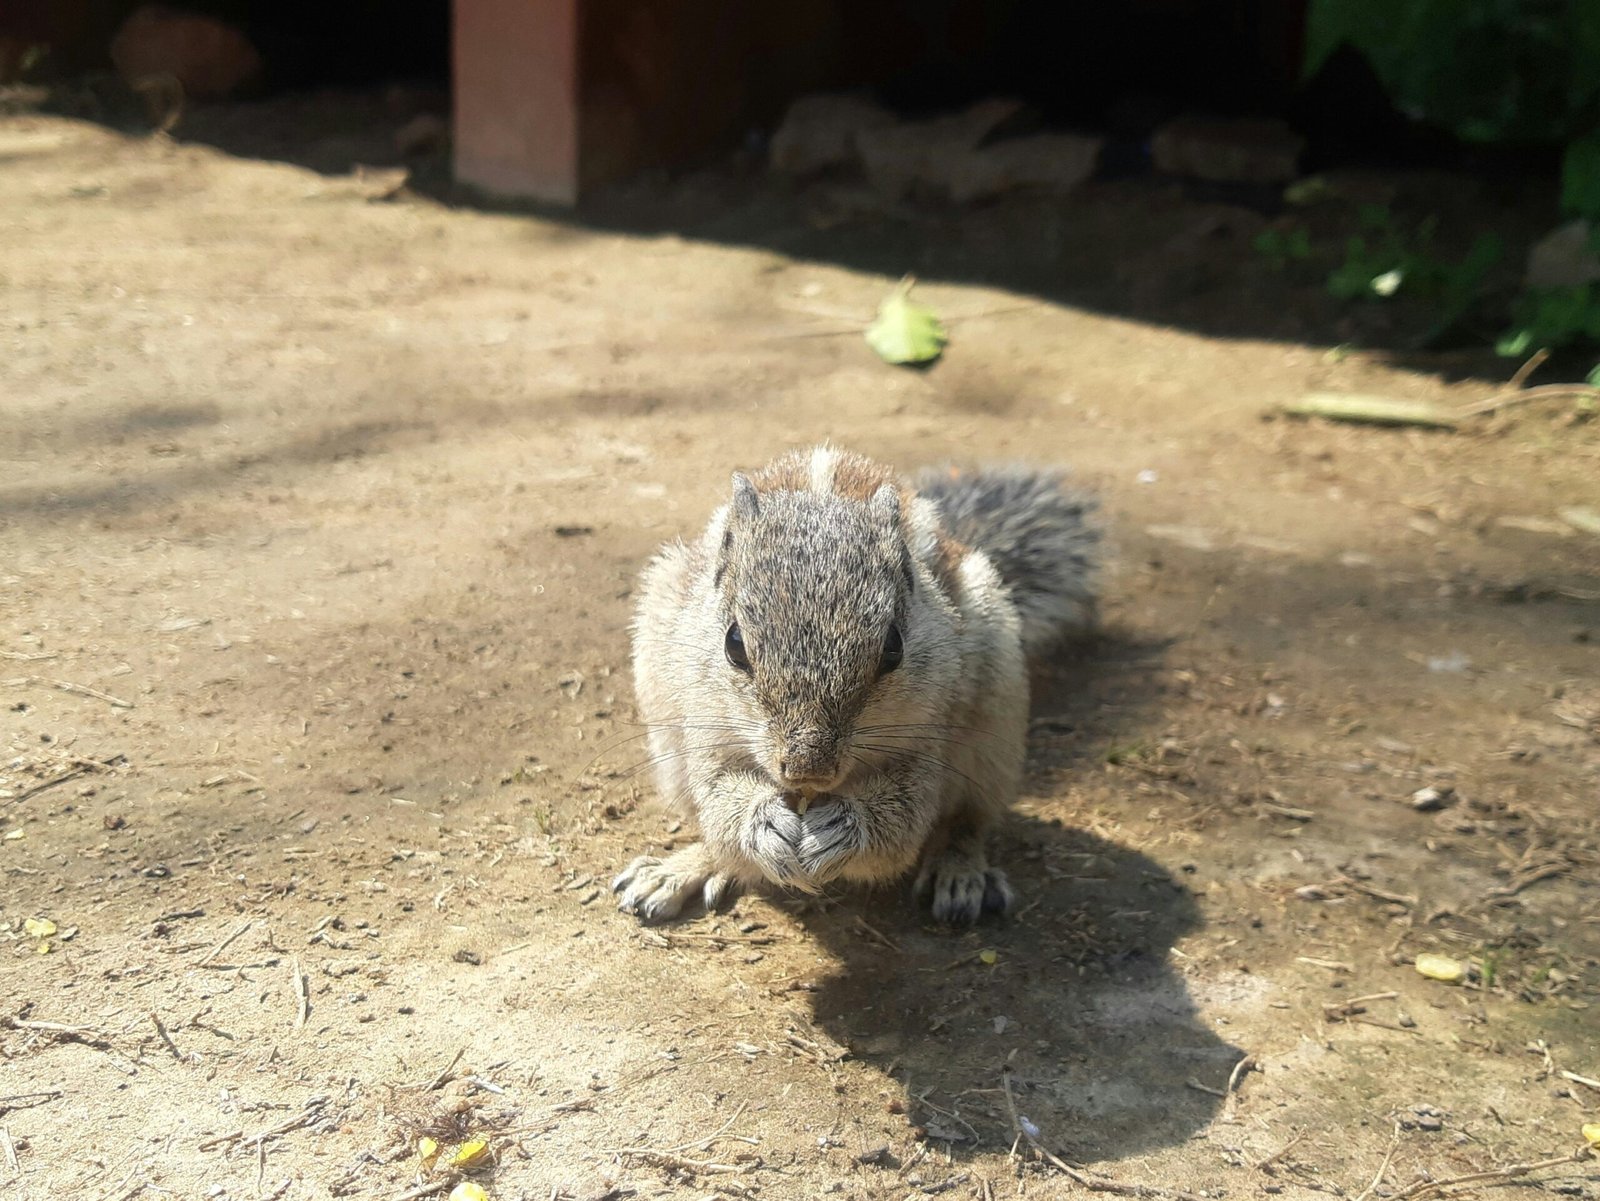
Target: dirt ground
[(320, 507)]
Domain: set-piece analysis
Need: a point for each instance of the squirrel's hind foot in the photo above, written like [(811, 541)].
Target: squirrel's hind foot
[(960, 892), (656, 890)]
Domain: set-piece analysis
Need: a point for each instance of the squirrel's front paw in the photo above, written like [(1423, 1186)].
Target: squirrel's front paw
[(960, 891), (658, 889), (806, 850)]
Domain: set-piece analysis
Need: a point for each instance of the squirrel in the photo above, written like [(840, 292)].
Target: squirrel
[(834, 676)]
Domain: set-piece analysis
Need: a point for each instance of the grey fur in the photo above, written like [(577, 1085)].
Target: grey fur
[(811, 762), (1041, 536)]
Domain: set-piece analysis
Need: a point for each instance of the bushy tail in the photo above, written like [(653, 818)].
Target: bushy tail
[(1040, 535)]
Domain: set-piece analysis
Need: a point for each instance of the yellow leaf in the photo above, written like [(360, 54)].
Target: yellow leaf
[(427, 1150), (43, 948), (470, 1153), (988, 957), (1441, 967), (39, 927), (1591, 1132), (467, 1191)]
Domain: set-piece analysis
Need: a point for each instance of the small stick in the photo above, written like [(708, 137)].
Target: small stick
[(1502, 400), (214, 951), (302, 991), (28, 656), (1333, 965), (1266, 1164), (1520, 376), (1239, 1069), (9, 1103), (87, 1035), (1383, 1168), (1398, 898), (9, 1149), (303, 1118), (165, 1037), (69, 686), (28, 793), (663, 1159), (1191, 1082), (426, 1190), (1564, 1074), (444, 1074), (1510, 1172)]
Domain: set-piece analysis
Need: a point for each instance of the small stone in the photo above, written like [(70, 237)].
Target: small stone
[(1055, 163), (897, 158), (820, 132), (1431, 798), (1228, 151), (1430, 1121), (208, 58), (1563, 258)]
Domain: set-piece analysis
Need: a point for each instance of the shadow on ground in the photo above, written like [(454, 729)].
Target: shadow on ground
[(1143, 247), (1074, 999)]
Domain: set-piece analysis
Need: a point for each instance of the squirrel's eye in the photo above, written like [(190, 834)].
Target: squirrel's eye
[(733, 647), (894, 650)]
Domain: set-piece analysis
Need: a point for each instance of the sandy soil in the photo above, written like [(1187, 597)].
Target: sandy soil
[(320, 507)]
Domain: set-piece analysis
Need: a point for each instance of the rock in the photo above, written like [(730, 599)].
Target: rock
[(898, 157), (424, 134), (1245, 150), (1563, 258), (819, 132), (1432, 799), (1052, 162), (208, 58)]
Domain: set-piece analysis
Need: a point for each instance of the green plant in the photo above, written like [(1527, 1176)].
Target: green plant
[(1385, 260), (1488, 71), (1280, 247)]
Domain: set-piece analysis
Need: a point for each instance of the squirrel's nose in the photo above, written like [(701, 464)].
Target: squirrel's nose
[(808, 762)]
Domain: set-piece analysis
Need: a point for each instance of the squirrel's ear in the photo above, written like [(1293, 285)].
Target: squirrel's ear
[(885, 509), (745, 504)]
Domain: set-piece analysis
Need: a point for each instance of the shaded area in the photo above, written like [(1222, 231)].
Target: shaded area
[(1076, 997)]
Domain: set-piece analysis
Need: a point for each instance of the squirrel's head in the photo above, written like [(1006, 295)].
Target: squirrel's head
[(814, 590)]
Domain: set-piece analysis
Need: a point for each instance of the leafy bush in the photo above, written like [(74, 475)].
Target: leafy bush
[(1488, 71)]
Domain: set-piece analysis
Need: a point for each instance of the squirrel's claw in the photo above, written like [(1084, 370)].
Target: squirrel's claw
[(656, 890), (960, 892)]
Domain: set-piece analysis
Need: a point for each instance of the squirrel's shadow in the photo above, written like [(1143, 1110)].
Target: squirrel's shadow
[(1074, 993)]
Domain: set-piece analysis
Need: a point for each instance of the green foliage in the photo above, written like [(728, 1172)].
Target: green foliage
[(1552, 318), (1386, 260), (1281, 247), (1580, 177), (1488, 70)]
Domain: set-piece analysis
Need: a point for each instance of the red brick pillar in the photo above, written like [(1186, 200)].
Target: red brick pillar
[(516, 97)]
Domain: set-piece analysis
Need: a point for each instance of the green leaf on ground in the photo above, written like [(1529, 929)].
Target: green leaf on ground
[(906, 332)]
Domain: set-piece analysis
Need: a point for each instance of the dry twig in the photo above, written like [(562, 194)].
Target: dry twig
[(69, 686), (1383, 1168), (165, 1037), (1517, 396), (1510, 1172)]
